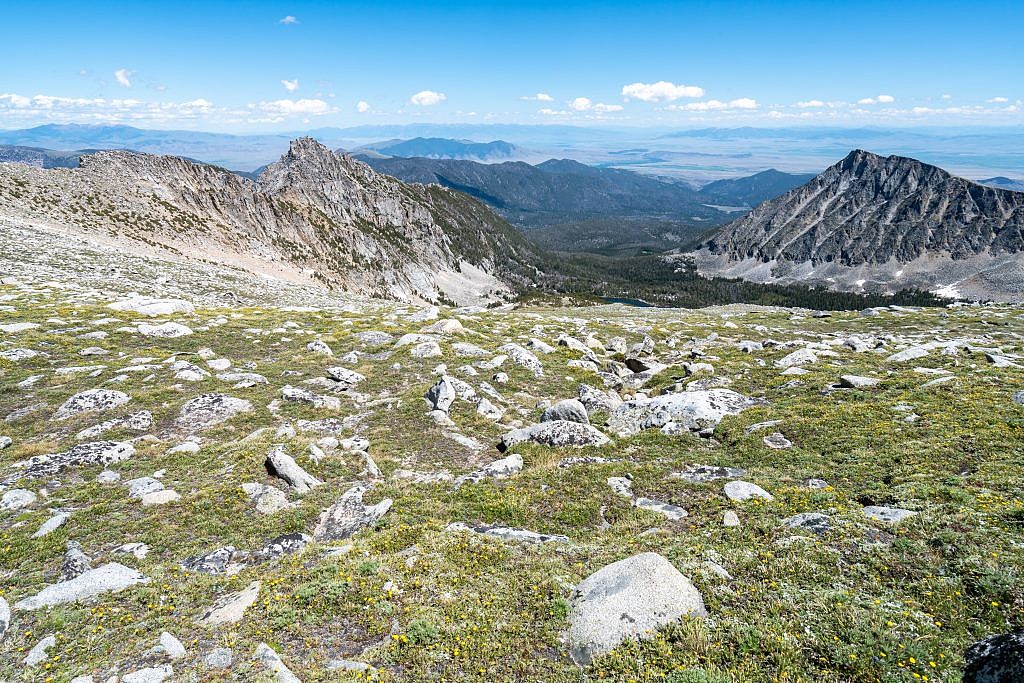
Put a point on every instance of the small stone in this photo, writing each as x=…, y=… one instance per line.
x=777, y=441
x=219, y=658
x=815, y=522
x=887, y=514
x=37, y=655
x=730, y=519
x=231, y=608
x=172, y=646
x=16, y=499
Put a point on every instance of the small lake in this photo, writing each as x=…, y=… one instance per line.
x=628, y=302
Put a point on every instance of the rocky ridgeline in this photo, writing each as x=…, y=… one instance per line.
x=376, y=491
x=314, y=217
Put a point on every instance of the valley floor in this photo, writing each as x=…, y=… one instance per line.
x=182, y=501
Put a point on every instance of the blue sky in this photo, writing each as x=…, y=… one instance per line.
x=288, y=65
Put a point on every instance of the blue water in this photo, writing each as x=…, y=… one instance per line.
x=628, y=302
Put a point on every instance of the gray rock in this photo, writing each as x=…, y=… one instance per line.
x=626, y=599
x=672, y=512
x=569, y=410
x=857, y=382
x=345, y=376
x=744, y=490
x=1018, y=398
x=321, y=347
x=693, y=409
x=299, y=395
x=913, y=353
x=995, y=659
x=107, y=578
x=442, y=395
x=231, y=608
x=278, y=547
x=268, y=499
x=5, y=441
x=139, y=487
x=777, y=441
x=214, y=562
x=280, y=464
x=152, y=674
x=152, y=307
x=16, y=499
x=348, y=515
x=730, y=519
x=700, y=474
x=168, y=330
x=17, y=355
x=507, y=533
x=93, y=453
x=172, y=646
x=595, y=399
x=815, y=522
x=91, y=400
x=797, y=358
x=219, y=658
x=557, y=433
x=75, y=562
x=521, y=356
x=208, y=410
x=817, y=484
x=37, y=655
x=272, y=663
x=138, y=422
x=5, y=617
x=887, y=514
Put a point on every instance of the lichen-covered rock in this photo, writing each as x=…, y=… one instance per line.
x=105, y=579
x=628, y=599
x=91, y=400
x=557, y=433
x=692, y=409
x=92, y=453
x=570, y=410
x=209, y=410
x=348, y=515
x=995, y=659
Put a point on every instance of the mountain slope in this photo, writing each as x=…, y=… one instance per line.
x=1003, y=183
x=444, y=148
x=752, y=190
x=313, y=216
x=879, y=222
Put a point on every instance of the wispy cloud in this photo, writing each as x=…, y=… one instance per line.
x=290, y=86
x=810, y=104
x=586, y=104
x=123, y=77
x=306, y=107
x=998, y=100
x=744, y=103
x=288, y=20
x=362, y=106
x=539, y=97
x=880, y=99
x=662, y=91
x=427, y=98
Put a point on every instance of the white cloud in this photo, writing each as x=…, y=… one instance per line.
x=662, y=91
x=810, y=104
x=123, y=77
x=607, y=107
x=288, y=20
x=947, y=97
x=362, y=106
x=539, y=97
x=998, y=100
x=295, y=107
x=880, y=99
x=553, y=112
x=290, y=86
x=716, y=105
x=581, y=104
x=427, y=98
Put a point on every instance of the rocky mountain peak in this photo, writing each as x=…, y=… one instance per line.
x=868, y=217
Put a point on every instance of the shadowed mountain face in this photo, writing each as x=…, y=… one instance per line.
x=312, y=216
x=877, y=219
x=752, y=190
x=1003, y=183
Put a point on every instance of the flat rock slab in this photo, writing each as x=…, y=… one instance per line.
x=208, y=410
x=556, y=433
x=507, y=533
x=744, y=490
x=231, y=608
x=90, y=401
x=692, y=409
x=887, y=514
x=857, y=382
x=105, y=579
x=164, y=331
x=815, y=522
x=152, y=307
x=92, y=453
x=626, y=599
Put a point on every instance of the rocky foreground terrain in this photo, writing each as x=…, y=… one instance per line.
x=208, y=475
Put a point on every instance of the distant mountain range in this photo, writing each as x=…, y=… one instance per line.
x=442, y=148
x=1004, y=183
x=879, y=223
x=752, y=190
x=565, y=205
